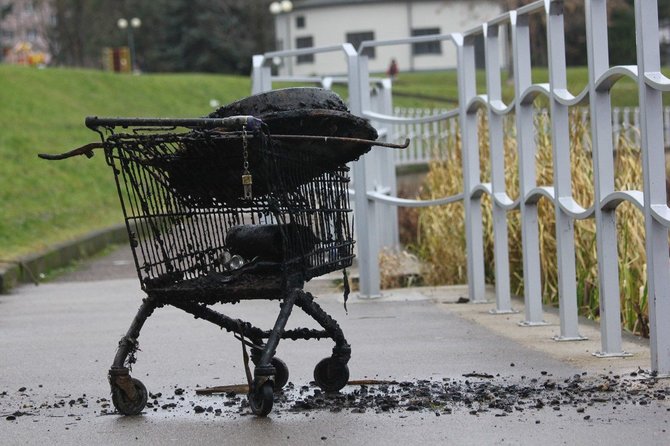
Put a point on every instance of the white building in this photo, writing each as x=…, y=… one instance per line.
x=318, y=23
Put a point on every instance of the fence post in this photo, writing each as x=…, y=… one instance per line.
x=364, y=209
x=653, y=166
x=497, y=160
x=261, y=75
x=603, y=172
x=467, y=90
x=384, y=158
x=525, y=130
x=560, y=141
x=327, y=82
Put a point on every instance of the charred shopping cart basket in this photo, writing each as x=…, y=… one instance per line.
x=224, y=209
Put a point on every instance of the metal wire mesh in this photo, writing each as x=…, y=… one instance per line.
x=181, y=195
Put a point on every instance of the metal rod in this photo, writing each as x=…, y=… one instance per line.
x=83, y=150
x=326, y=139
x=88, y=148
x=230, y=122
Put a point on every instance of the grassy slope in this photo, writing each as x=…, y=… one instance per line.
x=43, y=202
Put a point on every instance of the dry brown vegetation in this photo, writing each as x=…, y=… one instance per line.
x=441, y=237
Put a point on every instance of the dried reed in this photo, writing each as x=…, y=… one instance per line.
x=441, y=237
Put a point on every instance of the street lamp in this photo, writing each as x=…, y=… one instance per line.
x=278, y=9
x=134, y=24
x=282, y=6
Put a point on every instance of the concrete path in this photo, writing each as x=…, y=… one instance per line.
x=57, y=341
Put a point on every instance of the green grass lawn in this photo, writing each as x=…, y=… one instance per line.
x=440, y=89
x=43, y=202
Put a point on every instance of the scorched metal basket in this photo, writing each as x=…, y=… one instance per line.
x=220, y=210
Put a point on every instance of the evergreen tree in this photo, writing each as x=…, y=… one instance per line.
x=621, y=35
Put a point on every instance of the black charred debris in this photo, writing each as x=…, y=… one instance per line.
x=475, y=393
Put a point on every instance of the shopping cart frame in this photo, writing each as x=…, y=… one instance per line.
x=129, y=395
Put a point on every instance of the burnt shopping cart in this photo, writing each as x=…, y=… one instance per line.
x=249, y=203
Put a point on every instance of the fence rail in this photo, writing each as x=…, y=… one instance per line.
x=430, y=139
x=374, y=185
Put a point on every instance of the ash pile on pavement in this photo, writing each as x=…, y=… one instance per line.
x=474, y=393
x=480, y=393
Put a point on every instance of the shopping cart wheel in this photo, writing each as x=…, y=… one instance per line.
x=281, y=369
x=127, y=406
x=331, y=374
x=281, y=374
x=261, y=399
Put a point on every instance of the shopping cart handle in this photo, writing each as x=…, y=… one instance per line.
x=229, y=123
x=83, y=150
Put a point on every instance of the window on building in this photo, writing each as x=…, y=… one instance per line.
x=356, y=38
x=31, y=35
x=305, y=42
x=300, y=21
x=420, y=48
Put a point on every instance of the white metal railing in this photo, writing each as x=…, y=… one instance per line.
x=371, y=196
x=430, y=139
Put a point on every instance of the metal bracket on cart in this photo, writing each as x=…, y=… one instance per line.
x=120, y=378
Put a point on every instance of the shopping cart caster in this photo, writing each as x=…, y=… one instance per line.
x=129, y=404
x=331, y=374
x=281, y=370
x=281, y=373
x=261, y=399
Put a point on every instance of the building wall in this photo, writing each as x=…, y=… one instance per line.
x=329, y=25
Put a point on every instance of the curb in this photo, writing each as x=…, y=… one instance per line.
x=28, y=269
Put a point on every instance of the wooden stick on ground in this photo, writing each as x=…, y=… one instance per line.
x=244, y=389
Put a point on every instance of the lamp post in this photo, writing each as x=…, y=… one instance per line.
x=282, y=9
x=133, y=24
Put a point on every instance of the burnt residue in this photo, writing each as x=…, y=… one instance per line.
x=282, y=100
x=580, y=395
x=262, y=280
x=307, y=111
x=322, y=122
x=207, y=167
x=272, y=243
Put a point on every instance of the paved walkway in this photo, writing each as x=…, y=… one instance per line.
x=57, y=341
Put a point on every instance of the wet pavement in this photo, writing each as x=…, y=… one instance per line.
x=424, y=370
